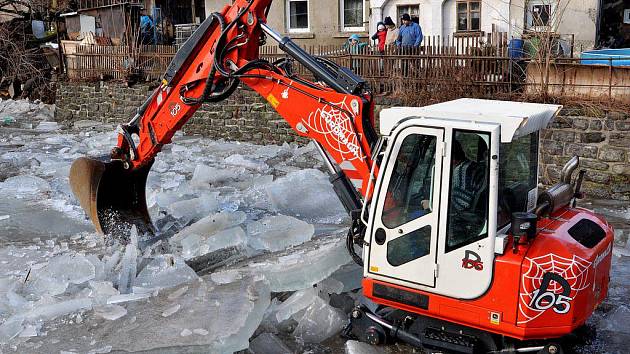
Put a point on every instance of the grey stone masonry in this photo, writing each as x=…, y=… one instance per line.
x=601, y=139
x=245, y=116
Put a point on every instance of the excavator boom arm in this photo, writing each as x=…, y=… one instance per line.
x=335, y=111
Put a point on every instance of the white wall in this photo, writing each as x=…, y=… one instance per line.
x=438, y=17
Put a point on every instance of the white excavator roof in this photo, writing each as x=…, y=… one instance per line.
x=515, y=118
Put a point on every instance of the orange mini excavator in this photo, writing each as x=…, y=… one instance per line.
x=460, y=249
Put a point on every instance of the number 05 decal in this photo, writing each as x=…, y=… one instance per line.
x=175, y=108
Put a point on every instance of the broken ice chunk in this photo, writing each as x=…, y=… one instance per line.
x=117, y=299
x=177, y=293
x=319, y=322
x=276, y=233
x=110, y=312
x=303, y=193
x=171, y=310
x=11, y=328
x=29, y=331
x=47, y=126
x=268, y=343
x=295, y=303
x=53, y=279
x=617, y=320
x=128, y=269
x=211, y=224
x=240, y=160
x=165, y=271
x=48, y=312
x=330, y=286
x=102, y=290
x=185, y=332
x=191, y=246
x=356, y=347
x=204, y=176
x=193, y=209
x=350, y=275
x=25, y=185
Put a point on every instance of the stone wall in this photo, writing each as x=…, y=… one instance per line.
x=601, y=139
x=245, y=116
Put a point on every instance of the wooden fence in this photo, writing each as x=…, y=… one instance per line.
x=120, y=62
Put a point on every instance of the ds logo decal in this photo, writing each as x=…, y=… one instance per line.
x=544, y=299
x=472, y=260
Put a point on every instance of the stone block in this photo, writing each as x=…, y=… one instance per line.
x=580, y=123
x=623, y=125
x=581, y=150
x=622, y=169
x=594, y=164
x=564, y=136
x=552, y=147
x=619, y=139
x=595, y=124
x=591, y=138
x=562, y=122
x=611, y=155
x=598, y=177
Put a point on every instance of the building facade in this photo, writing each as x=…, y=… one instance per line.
x=314, y=22
x=516, y=17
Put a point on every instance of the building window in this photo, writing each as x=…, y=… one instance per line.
x=352, y=15
x=539, y=14
x=468, y=16
x=412, y=10
x=297, y=15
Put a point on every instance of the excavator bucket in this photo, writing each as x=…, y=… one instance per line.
x=112, y=196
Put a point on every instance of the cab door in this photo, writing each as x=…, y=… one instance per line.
x=404, y=228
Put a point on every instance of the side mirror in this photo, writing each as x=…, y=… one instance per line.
x=523, y=225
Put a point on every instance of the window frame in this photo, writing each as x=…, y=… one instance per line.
x=447, y=248
x=529, y=14
x=308, y=17
x=342, y=14
x=468, y=16
x=398, y=14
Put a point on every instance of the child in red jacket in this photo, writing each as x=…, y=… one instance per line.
x=380, y=36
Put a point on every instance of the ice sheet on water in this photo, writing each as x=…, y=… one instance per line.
x=25, y=185
x=304, y=267
x=275, y=233
x=319, y=322
x=165, y=271
x=308, y=195
x=211, y=224
x=53, y=278
x=221, y=319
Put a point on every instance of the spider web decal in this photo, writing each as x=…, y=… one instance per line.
x=574, y=270
x=337, y=128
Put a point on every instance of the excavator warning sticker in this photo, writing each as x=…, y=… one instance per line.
x=335, y=124
x=550, y=284
x=273, y=101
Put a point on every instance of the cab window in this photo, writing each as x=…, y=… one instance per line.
x=467, y=219
x=410, y=190
x=518, y=176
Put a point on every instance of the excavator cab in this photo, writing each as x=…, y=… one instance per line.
x=459, y=231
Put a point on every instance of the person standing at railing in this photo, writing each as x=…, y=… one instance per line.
x=354, y=46
x=410, y=33
x=380, y=37
x=392, y=31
